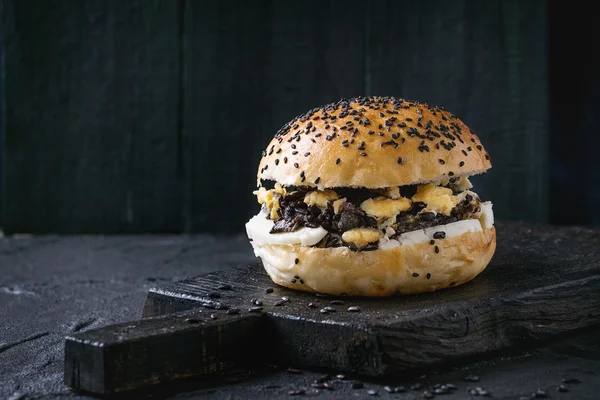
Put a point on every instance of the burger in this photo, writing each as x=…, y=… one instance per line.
x=370, y=196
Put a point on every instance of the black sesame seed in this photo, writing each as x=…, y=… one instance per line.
x=479, y=147
x=461, y=164
x=363, y=154
x=437, y=249
x=224, y=286
x=264, y=153
x=372, y=392
x=336, y=303
x=451, y=173
x=285, y=160
x=280, y=302
x=193, y=320
x=432, y=241
x=317, y=180
x=329, y=309
x=312, y=305
x=371, y=132
x=428, y=275
x=442, y=161
x=293, y=281
x=269, y=290
x=320, y=134
x=296, y=165
x=401, y=160
x=464, y=152
x=470, y=148
x=415, y=274
x=255, y=309
x=301, y=281
x=298, y=392
x=439, y=235
x=306, y=154
x=354, y=309
x=487, y=156
x=337, y=161
x=294, y=152
x=233, y=311
x=293, y=146
x=277, y=161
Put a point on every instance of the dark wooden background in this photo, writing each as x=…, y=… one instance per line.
x=150, y=115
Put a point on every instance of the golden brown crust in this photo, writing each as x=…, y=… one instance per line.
x=372, y=142
x=407, y=269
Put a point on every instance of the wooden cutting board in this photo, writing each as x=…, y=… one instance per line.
x=541, y=283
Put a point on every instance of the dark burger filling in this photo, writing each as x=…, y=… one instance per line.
x=339, y=211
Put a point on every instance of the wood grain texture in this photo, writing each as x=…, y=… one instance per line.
x=487, y=63
x=249, y=68
x=91, y=140
x=119, y=114
x=542, y=283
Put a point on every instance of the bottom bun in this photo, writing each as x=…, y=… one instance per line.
x=406, y=269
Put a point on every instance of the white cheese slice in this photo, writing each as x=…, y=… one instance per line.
x=487, y=215
x=451, y=230
x=259, y=226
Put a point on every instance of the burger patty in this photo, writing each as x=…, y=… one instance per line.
x=294, y=214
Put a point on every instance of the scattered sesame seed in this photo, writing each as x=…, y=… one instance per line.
x=296, y=165
x=428, y=275
x=317, y=180
x=439, y=235
x=363, y=154
x=337, y=161
x=296, y=261
x=461, y=164
x=415, y=274
x=401, y=160
x=437, y=249
x=442, y=161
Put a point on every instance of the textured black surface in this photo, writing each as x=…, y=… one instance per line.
x=137, y=116
x=528, y=293
x=54, y=286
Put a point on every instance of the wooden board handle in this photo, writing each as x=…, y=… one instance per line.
x=155, y=350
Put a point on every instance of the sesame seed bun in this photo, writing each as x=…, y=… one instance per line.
x=407, y=269
x=372, y=142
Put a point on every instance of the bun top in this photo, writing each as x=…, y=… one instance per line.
x=372, y=142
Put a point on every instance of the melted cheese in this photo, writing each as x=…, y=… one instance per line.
x=384, y=208
x=270, y=199
x=337, y=204
x=438, y=199
x=320, y=198
x=361, y=237
x=391, y=192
